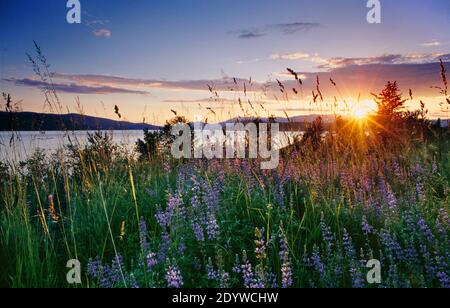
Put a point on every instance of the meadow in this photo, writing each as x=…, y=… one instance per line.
x=372, y=188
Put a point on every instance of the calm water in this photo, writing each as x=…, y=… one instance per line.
x=26, y=143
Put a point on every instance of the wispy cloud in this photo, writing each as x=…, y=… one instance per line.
x=418, y=72
x=102, y=33
x=339, y=62
x=72, y=87
x=291, y=28
x=248, y=33
x=417, y=58
x=96, y=25
x=283, y=28
x=248, y=61
x=433, y=43
x=224, y=84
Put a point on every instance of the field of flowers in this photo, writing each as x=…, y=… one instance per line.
x=315, y=221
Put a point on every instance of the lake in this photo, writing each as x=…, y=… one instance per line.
x=26, y=143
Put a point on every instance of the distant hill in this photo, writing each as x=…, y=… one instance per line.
x=30, y=121
x=295, y=123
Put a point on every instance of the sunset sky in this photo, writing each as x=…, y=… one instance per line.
x=151, y=57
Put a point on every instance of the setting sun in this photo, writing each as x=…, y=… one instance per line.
x=360, y=113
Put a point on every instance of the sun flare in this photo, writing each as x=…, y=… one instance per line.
x=360, y=113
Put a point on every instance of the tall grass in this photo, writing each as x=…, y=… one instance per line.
x=332, y=204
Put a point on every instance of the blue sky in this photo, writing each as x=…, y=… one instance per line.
x=191, y=40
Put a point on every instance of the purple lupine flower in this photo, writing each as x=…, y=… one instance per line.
x=420, y=191
x=212, y=228
x=174, y=206
x=430, y=268
x=426, y=231
x=349, y=249
x=286, y=271
x=211, y=199
x=94, y=268
x=224, y=278
x=272, y=280
x=173, y=277
x=444, y=280
x=260, y=245
x=198, y=232
x=105, y=281
x=151, y=261
x=396, y=169
x=164, y=247
x=393, y=248
x=116, y=269
x=316, y=262
x=417, y=170
x=357, y=278
x=236, y=266
x=387, y=194
x=247, y=274
x=327, y=235
x=143, y=236
x=212, y=273
x=366, y=227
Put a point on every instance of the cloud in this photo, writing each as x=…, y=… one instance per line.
x=248, y=33
x=283, y=28
x=291, y=56
x=224, y=84
x=102, y=33
x=72, y=87
x=291, y=28
x=433, y=43
x=338, y=62
x=352, y=75
x=248, y=61
x=418, y=58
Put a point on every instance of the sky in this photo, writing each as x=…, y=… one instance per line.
x=219, y=59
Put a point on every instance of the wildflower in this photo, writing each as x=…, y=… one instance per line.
x=173, y=277
x=236, y=267
x=247, y=272
x=143, y=236
x=212, y=274
x=198, y=232
x=94, y=268
x=349, y=249
x=366, y=227
x=396, y=169
x=164, y=247
x=444, y=280
x=151, y=261
x=316, y=262
x=327, y=235
x=286, y=271
x=260, y=249
x=420, y=191
x=387, y=194
x=212, y=228
x=426, y=231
